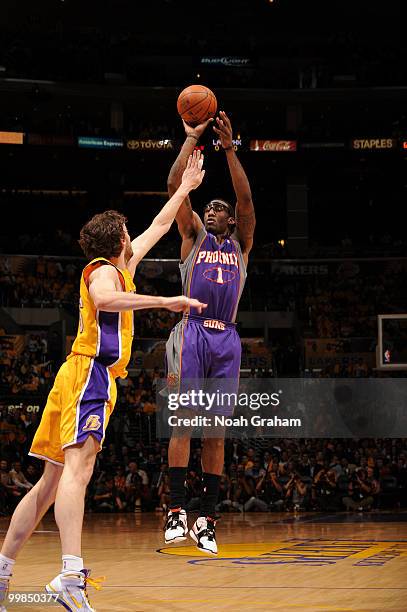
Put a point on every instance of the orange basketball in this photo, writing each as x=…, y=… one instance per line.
x=196, y=104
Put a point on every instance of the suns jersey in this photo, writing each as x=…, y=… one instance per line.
x=105, y=336
x=214, y=274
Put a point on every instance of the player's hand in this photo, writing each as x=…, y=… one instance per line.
x=197, y=130
x=182, y=304
x=193, y=173
x=224, y=130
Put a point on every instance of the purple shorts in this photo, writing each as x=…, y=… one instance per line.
x=209, y=349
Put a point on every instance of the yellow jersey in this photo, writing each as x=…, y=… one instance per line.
x=105, y=336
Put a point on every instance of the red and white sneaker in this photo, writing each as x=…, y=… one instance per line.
x=176, y=527
x=203, y=532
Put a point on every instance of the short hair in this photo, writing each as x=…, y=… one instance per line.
x=102, y=235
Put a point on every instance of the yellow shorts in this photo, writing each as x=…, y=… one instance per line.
x=79, y=404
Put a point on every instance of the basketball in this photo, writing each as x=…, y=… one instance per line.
x=196, y=104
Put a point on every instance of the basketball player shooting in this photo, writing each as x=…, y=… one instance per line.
x=214, y=256
x=74, y=421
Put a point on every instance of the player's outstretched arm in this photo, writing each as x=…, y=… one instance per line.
x=189, y=223
x=245, y=215
x=191, y=179
x=103, y=289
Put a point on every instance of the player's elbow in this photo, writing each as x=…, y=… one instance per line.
x=165, y=228
x=161, y=227
x=100, y=301
x=187, y=229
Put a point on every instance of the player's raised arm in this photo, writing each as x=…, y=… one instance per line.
x=191, y=179
x=245, y=215
x=103, y=289
x=189, y=223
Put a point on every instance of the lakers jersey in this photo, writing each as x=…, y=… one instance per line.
x=215, y=274
x=105, y=336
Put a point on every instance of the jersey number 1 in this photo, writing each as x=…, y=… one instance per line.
x=219, y=280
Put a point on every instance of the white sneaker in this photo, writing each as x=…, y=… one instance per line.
x=176, y=527
x=203, y=532
x=4, y=584
x=71, y=587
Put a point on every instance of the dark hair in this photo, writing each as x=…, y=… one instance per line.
x=102, y=235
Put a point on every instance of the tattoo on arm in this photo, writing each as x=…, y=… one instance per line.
x=246, y=223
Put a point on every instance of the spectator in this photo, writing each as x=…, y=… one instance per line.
x=245, y=487
x=224, y=500
x=164, y=493
x=137, y=493
x=374, y=485
x=324, y=489
x=17, y=478
x=270, y=488
x=106, y=497
x=295, y=491
x=33, y=474
x=13, y=493
x=359, y=492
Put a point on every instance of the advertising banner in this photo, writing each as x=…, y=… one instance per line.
x=91, y=142
x=273, y=145
x=373, y=144
x=150, y=144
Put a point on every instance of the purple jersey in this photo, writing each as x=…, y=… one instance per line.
x=214, y=274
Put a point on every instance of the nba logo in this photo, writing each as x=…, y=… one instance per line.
x=387, y=356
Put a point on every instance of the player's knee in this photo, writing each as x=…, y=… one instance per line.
x=86, y=475
x=86, y=469
x=80, y=460
x=182, y=435
x=216, y=444
x=81, y=475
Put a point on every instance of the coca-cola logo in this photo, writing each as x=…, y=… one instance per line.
x=273, y=145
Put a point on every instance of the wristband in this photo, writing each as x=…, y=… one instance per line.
x=227, y=148
x=191, y=136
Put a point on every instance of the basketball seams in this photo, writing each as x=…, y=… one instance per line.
x=201, y=115
x=196, y=103
x=199, y=111
x=190, y=107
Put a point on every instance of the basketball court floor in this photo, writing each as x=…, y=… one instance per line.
x=309, y=562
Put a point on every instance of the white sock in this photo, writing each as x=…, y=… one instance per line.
x=6, y=565
x=70, y=562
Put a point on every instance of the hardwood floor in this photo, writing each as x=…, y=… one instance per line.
x=349, y=563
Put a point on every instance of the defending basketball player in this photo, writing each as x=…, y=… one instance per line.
x=214, y=256
x=74, y=421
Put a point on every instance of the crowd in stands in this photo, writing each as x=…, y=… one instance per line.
x=283, y=475
x=131, y=473
x=27, y=372
x=336, y=300
x=45, y=283
x=340, y=301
